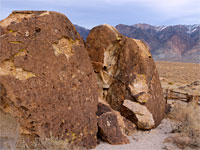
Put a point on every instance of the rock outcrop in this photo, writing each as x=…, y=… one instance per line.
x=113, y=127
x=46, y=79
x=126, y=71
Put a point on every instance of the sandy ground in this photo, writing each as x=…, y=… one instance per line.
x=146, y=140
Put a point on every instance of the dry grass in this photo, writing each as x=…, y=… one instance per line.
x=187, y=131
x=178, y=72
x=46, y=144
x=179, y=77
x=170, y=83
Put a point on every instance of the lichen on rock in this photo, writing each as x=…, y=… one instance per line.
x=65, y=46
x=8, y=68
x=16, y=17
x=139, y=88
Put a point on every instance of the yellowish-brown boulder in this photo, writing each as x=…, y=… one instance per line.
x=125, y=70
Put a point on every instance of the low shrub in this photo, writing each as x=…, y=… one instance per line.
x=187, y=130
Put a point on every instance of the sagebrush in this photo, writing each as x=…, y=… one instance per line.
x=187, y=131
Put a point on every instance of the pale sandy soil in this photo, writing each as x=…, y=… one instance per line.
x=146, y=140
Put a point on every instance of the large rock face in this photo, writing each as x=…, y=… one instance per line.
x=126, y=71
x=46, y=78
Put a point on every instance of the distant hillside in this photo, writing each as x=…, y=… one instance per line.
x=169, y=43
x=82, y=31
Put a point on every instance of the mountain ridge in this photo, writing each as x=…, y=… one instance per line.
x=179, y=43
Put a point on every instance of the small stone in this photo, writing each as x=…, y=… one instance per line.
x=144, y=117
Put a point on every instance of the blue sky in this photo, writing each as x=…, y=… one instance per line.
x=89, y=13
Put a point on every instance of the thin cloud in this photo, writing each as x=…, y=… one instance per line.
x=162, y=5
x=93, y=12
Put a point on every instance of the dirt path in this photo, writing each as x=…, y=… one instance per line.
x=146, y=140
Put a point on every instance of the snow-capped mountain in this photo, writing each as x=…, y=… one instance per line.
x=170, y=43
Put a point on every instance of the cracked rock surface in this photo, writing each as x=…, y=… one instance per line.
x=112, y=127
x=46, y=79
x=125, y=70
